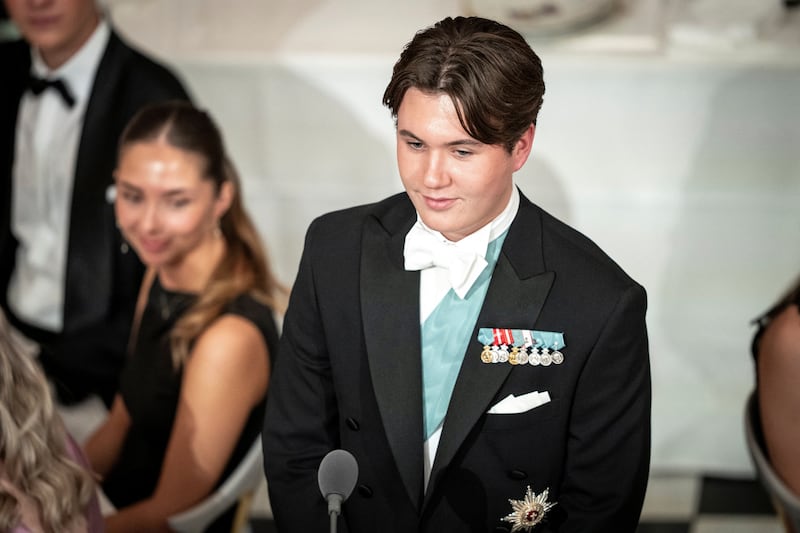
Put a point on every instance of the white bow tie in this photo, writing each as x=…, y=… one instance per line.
x=463, y=260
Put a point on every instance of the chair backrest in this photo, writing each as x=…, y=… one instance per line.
x=785, y=500
x=242, y=482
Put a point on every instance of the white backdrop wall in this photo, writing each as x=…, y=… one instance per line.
x=680, y=159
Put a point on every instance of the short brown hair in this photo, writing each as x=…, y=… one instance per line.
x=489, y=71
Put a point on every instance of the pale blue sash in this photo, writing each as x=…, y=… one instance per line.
x=445, y=337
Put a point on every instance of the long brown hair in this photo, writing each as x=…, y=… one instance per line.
x=33, y=445
x=245, y=266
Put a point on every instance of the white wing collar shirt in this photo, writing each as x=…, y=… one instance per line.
x=47, y=137
x=447, y=318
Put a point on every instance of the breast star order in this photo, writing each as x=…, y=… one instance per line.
x=528, y=512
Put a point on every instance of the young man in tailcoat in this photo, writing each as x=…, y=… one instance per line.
x=485, y=364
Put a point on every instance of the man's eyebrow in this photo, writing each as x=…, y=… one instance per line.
x=469, y=141
x=406, y=133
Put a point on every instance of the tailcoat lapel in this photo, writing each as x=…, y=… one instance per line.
x=390, y=305
x=517, y=292
x=92, y=230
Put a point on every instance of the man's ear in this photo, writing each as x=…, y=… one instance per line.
x=522, y=148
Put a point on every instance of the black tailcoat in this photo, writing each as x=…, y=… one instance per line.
x=348, y=375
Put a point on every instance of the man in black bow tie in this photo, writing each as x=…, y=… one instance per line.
x=486, y=364
x=67, y=281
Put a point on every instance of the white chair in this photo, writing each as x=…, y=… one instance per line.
x=786, y=502
x=240, y=486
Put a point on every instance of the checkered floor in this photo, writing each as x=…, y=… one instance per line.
x=707, y=504
x=674, y=504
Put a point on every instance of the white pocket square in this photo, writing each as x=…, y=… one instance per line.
x=519, y=404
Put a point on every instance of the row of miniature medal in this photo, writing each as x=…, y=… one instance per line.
x=521, y=346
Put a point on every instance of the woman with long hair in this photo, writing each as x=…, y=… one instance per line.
x=44, y=482
x=192, y=396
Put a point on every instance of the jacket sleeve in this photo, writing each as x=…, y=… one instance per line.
x=608, y=448
x=301, y=422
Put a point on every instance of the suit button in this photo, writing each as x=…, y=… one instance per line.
x=365, y=491
x=517, y=474
x=352, y=423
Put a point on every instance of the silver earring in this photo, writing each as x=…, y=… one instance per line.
x=123, y=247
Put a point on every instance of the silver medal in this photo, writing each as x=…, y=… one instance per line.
x=502, y=355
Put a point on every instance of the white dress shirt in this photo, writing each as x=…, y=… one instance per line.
x=435, y=283
x=47, y=136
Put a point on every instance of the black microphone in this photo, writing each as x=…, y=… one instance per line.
x=338, y=473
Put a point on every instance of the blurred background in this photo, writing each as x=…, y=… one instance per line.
x=669, y=134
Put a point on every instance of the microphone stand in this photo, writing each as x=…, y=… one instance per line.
x=334, y=509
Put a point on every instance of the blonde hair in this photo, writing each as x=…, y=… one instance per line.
x=245, y=268
x=33, y=445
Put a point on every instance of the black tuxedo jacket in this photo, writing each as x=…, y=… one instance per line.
x=348, y=375
x=101, y=281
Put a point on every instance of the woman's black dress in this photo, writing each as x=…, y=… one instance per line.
x=150, y=388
